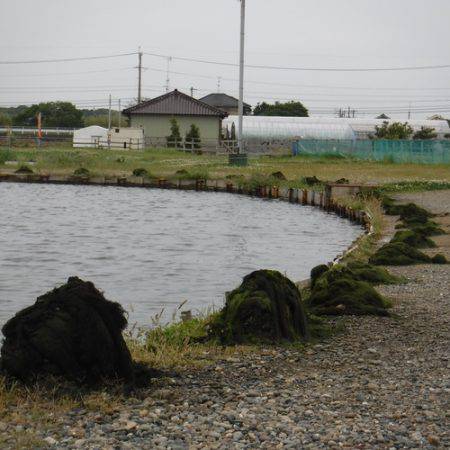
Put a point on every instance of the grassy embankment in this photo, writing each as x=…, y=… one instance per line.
x=172, y=347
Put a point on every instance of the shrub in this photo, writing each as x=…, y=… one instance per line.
x=193, y=137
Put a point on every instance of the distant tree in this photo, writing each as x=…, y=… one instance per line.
x=394, y=130
x=193, y=137
x=174, y=140
x=54, y=114
x=289, y=109
x=102, y=120
x=5, y=120
x=425, y=133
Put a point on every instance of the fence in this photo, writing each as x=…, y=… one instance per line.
x=397, y=151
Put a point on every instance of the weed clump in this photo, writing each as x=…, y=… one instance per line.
x=266, y=307
x=24, y=169
x=279, y=176
x=311, y=181
x=140, y=172
x=337, y=293
x=81, y=172
x=409, y=213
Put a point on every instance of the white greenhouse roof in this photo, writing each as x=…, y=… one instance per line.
x=271, y=127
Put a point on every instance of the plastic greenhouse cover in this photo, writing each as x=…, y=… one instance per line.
x=272, y=127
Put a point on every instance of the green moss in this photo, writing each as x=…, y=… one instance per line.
x=398, y=254
x=337, y=293
x=81, y=172
x=317, y=272
x=371, y=274
x=24, y=169
x=439, y=259
x=267, y=307
x=429, y=228
x=413, y=238
x=409, y=213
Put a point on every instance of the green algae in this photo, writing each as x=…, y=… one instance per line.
x=413, y=238
x=266, y=307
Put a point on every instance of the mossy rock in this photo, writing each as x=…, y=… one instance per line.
x=140, y=172
x=317, y=272
x=439, y=259
x=371, y=274
x=73, y=332
x=429, y=228
x=336, y=293
x=24, y=169
x=342, y=181
x=409, y=213
x=311, y=181
x=398, y=254
x=266, y=307
x=279, y=176
x=413, y=238
x=81, y=172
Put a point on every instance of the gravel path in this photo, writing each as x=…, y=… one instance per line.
x=383, y=383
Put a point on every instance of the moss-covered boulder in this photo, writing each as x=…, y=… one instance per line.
x=140, y=172
x=413, y=238
x=439, y=259
x=24, y=169
x=371, y=274
x=72, y=331
x=81, y=172
x=398, y=254
x=409, y=213
x=337, y=293
x=317, y=272
x=266, y=307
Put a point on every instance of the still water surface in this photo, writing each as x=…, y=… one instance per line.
x=152, y=249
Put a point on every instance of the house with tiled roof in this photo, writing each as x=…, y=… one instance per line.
x=226, y=103
x=155, y=117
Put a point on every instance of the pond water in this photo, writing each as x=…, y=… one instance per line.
x=153, y=249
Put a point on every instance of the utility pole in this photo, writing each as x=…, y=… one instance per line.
x=241, y=79
x=192, y=91
x=409, y=111
x=219, y=82
x=109, y=113
x=169, y=59
x=120, y=114
x=140, y=76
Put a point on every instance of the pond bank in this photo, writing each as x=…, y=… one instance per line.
x=382, y=383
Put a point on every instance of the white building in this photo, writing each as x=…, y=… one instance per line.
x=127, y=138
x=92, y=137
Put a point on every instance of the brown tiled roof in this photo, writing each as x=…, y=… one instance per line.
x=175, y=103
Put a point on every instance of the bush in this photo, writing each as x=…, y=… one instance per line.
x=193, y=137
x=266, y=307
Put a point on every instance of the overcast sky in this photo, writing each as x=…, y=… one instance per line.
x=293, y=33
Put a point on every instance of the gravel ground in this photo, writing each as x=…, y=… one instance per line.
x=382, y=383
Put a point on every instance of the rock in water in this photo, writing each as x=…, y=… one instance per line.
x=71, y=331
x=266, y=307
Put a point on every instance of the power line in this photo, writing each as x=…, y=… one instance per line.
x=62, y=73
x=85, y=58
x=311, y=69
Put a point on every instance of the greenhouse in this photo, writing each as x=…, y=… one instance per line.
x=292, y=128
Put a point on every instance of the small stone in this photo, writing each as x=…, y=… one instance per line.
x=50, y=440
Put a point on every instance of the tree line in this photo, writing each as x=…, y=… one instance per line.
x=58, y=115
